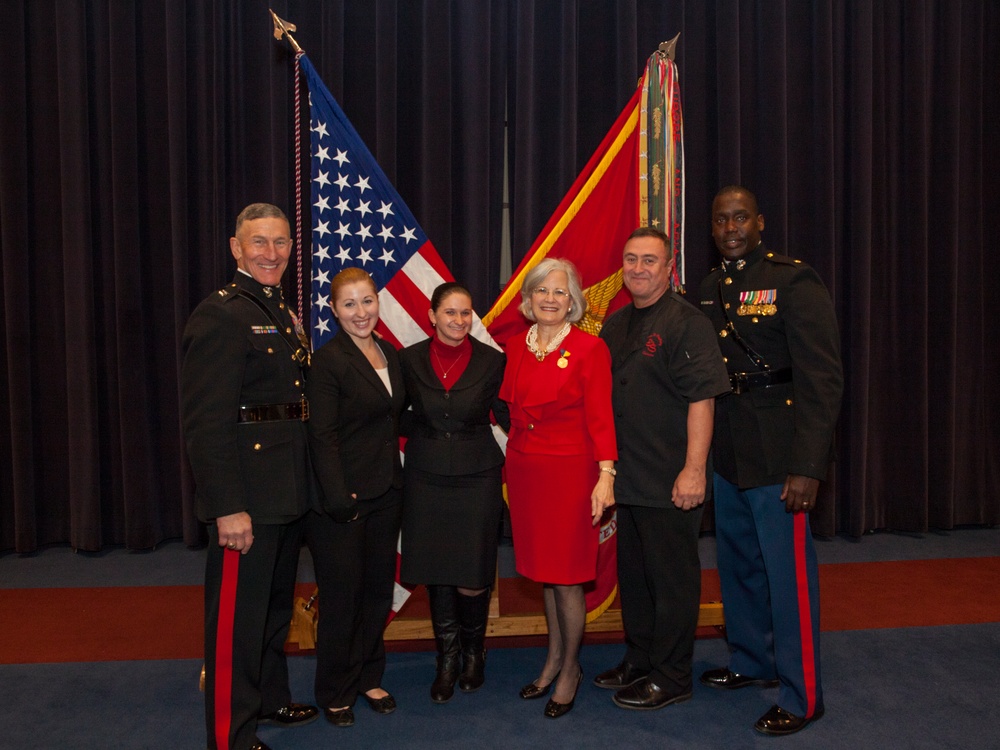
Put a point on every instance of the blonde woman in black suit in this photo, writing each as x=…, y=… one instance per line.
x=355, y=395
x=452, y=495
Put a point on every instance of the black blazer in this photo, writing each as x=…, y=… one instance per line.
x=234, y=356
x=449, y=432
x=353, y=425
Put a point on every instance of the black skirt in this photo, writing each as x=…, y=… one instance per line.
x=450, y=528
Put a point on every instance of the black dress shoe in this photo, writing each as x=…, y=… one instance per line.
x=646, y=695
x=531, y=691
x=340, y=717
x=780, y=721
x=554, y=710
x=292, y=715
x=384, y=705
x=623, y=675
x=723, y=679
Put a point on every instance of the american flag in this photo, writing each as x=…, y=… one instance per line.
x=358, y=219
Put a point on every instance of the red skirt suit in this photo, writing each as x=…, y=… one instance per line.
x=561, y=426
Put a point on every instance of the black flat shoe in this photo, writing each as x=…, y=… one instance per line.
x=384, y=705
x=619, y=677
x=646, y=695
x=531, y=691
x=779, y=721
x=292, y=715
x=723, y=679
x=340, y=717
x=554, y=710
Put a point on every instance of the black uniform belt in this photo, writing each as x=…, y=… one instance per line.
x=275, y=412
x=742, y=382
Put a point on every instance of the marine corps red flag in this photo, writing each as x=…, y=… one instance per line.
x=635, y=178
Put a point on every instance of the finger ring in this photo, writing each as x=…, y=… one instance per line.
x=232, y=545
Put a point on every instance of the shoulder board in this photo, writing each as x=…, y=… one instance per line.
x=228, y=292
x=783, y=259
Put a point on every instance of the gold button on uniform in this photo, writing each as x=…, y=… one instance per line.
x=256, y=446
x=728, y=281
x=270, y=350
x=789, y=402
x=755, y=320
x=723, y=333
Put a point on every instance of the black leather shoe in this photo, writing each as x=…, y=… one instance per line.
x=623, y=675
x=554, y=710
x=646, y=695
x=384, y=705
x=780, y=721
x=723, y=679
x=292, y=715
x=531, y=691
x=340, y=717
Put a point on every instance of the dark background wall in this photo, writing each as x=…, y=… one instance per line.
x=132, y=133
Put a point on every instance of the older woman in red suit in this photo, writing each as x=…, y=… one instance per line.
x=560, y=463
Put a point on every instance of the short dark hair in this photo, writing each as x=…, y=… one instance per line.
x=259, y=211
x=729, y=189
x=652, y=232
x=443, y=290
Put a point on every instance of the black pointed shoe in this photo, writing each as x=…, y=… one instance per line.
x=723, y=679
x=646, y=695
x=619, y=677
x=292, y=715
x=554, y=710
x=779, y=721
x=531, y=691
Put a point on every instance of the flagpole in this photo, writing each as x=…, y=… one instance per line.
x=283, y=28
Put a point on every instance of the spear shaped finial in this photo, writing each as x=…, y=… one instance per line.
x=667, y=49
x=284, y=29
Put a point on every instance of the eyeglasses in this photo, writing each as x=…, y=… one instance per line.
x=542, y=291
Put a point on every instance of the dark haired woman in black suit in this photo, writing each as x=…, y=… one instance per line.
x=453, y=489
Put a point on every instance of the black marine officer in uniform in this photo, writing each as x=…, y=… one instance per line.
x=244, y=414
x=772, y=446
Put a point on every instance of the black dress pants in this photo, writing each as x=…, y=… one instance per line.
x=355, y=571
x=659, y=579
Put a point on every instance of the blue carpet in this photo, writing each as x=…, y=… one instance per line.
x=912, y=688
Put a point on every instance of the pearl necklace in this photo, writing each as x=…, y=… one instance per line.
x=532, y=341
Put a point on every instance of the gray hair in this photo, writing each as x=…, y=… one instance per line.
x=259, y=211
x=534, y=277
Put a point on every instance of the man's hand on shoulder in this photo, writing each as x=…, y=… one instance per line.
x=235, y=531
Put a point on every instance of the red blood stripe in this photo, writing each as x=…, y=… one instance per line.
x=805, y=612
x=224, y=648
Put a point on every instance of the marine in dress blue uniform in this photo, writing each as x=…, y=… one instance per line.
x=773, y=444
x=243, y=414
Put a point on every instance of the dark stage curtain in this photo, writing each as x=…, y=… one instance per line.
x=869, y=132
x=132, y=133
